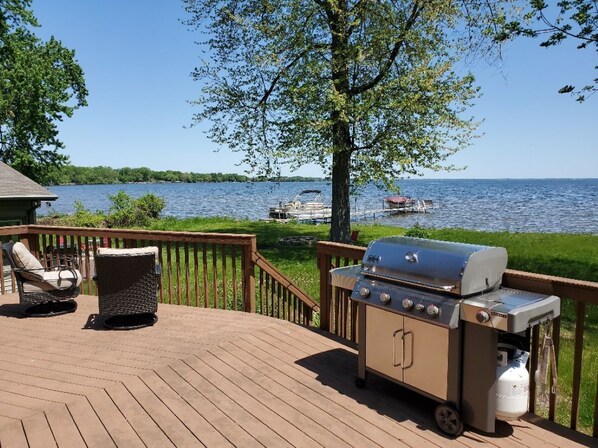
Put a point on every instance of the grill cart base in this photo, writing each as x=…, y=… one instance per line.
x=430, y=315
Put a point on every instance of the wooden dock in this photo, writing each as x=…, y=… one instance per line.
x=357, y=214
x=208, y=377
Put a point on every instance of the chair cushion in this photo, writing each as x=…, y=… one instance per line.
x=54, y=280
x=134, y=251
x=25, y=260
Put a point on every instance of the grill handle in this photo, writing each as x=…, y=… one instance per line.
x=394, y=348
x=405, y=280
x=408, y=333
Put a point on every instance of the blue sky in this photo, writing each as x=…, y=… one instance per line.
x=137, y=58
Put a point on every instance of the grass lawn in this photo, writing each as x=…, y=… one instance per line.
x=564, y=255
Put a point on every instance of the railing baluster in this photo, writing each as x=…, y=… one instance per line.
x=261, y=290
x=353, y=321
x=579, y=328
x=2, y=285
x=233, y=257
x=556, y=337
x=204, y=258
x=169, y=270
x=266, y=292
x=325, y=290
x=294, y=298
x=177, y=266
x=187, y=274
x=43, y=258
x=533, y=365
x=224, y=295
x=215, y=274
x=287, y=302
x=196, y=273
x=271, y=307
x=160, y=260
x=345, y=299
x=336, y=305
x=278, y=304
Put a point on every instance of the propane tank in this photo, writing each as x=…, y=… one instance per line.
x=512, y=386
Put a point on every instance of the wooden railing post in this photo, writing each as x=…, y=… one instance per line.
x=29, y=240
x=249, y=276
x=325, y=289
x=333, y=255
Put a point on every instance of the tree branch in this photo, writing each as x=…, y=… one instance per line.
x=415, y=11
x=270, y=89
x=553, y=27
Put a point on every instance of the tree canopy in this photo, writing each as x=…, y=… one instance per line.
x=371, y=91
x=84, y=175
x=40, y=84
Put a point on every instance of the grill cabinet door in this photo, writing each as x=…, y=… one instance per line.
x=425, y=361
x=408, y=350
x=384, y=342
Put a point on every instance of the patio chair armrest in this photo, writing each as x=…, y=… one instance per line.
x=35, y=271
x=66, y=268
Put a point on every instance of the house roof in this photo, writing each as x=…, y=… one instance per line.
x=14, y=185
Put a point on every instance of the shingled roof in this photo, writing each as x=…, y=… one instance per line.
x=14, y=185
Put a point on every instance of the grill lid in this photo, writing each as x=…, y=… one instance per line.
x=456, y=268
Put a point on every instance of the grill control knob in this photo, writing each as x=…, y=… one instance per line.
x=420, y=307
x=364, y=292
x=482, y=316
x=385, y=298
x=432, y=311
x=407, y=303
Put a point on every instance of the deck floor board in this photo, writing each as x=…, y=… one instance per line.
x=12, y=434
x=204, y=377
x=39, y=434
x=143, y=423
x=63, y=427
x=219, y=420
x=249, y=422
x=115, y=423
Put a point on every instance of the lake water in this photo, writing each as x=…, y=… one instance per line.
x=514, y=205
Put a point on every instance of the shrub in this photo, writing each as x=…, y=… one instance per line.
x=128, y=212
x=84, y=218
x=417, y=232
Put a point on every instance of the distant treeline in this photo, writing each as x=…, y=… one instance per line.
x=83, y=175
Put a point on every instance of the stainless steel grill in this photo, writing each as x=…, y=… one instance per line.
x=430, y=315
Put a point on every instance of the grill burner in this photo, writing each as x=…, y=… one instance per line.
x=429, y=316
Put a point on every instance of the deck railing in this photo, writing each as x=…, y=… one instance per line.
x=338, y=316
x=213, y=270
x=219, y=271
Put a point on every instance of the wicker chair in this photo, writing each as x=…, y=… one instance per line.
x=128, y=282
x=47, y=291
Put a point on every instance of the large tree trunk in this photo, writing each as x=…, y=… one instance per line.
x=341, y=135
x=340, y=228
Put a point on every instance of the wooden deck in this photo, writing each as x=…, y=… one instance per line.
x=205, y=377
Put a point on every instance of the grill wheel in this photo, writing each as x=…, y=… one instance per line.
x=448, y=419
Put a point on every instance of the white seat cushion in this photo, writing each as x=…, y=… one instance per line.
x=25, y=260
x=134, y=251
x=54, y=280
